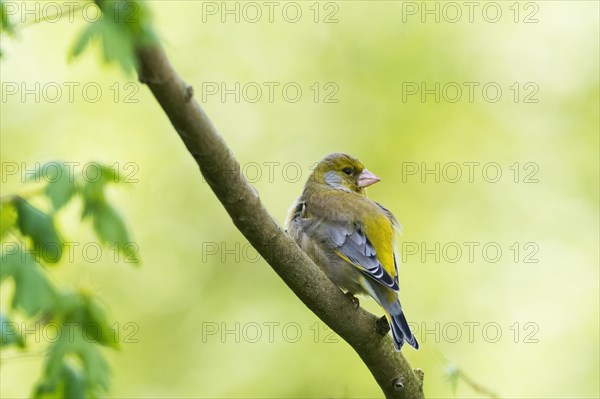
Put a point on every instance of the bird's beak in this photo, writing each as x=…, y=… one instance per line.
x=367, y=178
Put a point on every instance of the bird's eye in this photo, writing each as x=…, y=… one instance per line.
x=348, y=171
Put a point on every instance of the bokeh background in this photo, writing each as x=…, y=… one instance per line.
x=208, y=318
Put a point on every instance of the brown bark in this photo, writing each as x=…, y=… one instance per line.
x=222, y=172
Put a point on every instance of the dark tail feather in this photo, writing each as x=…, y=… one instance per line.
x=401, y=332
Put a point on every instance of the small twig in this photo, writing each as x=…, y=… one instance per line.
x=454, y=374
x=480, y=389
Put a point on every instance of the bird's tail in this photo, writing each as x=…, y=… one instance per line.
x=389, y=301
x=401, y=331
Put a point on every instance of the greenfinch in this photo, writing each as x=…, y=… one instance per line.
x=350, y=237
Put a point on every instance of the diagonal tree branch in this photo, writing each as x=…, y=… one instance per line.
x=222, y=172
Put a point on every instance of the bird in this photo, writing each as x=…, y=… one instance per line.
x=351, y=237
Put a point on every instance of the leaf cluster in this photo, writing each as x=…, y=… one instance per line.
x=31, y=243
x=124, y=26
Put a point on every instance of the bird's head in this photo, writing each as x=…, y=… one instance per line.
x=343, y=172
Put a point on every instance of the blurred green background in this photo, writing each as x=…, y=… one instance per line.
x=209, y=319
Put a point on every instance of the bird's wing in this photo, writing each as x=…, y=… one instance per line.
x=391, y=217
x=373, y=256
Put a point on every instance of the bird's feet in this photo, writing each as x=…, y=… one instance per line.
x=383, y=326
x=354, y=299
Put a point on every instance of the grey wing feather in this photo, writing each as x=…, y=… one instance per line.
x=353, y=244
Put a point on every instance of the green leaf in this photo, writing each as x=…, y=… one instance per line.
x=33, y=292
x=60, y=192
x=83, y=309
x=93, y=198
x=40, y=227
x=97, y=316
x=61, y=185
x=108, y=223
x=6, y=25
x=74, y=382
x=85, y=37
x=106, y=173
x=9, y=332
x=117, y=44
x=109, y=226
x=10, y=260
x=111, y=230
x=93, y=190
x=8, y=217
x=95, y=373
x=124, y=26
x=133, y=16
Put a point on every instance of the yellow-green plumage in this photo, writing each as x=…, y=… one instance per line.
x=350, y=236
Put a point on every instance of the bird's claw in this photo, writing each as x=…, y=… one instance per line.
x=354, y=299
x=382, y=325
